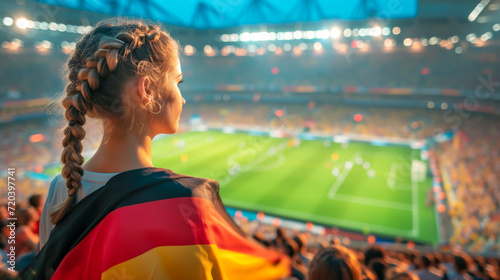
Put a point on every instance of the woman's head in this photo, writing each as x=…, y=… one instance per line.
x=125, y=73
x=336, y=263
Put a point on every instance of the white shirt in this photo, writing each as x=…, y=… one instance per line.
x=91, y=181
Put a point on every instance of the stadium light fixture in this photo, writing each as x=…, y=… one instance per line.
x=407, y=42
x=486, y=36
x=8, y=21
x=189, y=50
x=478, y=9
x=335, y=33
x=318, y=48
x=386, y=31
x=375, y=31
x=297, y=35
x=44, y=25
x=22, y=23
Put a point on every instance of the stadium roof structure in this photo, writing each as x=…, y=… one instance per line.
x=205, y=14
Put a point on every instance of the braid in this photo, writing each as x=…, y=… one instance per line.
x=92, y=90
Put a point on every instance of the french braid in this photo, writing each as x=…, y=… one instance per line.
x=103, y=60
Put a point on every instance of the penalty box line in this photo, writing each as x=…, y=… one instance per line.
x=340, y=179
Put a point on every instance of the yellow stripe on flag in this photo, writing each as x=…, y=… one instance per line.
x=195, y=262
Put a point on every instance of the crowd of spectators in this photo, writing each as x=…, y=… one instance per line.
x=328, y=257
x=471, y=166
x=329, y=119
x=314, y=256
x=469, y=163
x=437, y=69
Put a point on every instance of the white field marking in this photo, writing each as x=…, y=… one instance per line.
x=324, y=219
x=392, y=176
x=247, y=167
x=273, y=165
x=373, y=202
x=340, y=179
x=415, y=208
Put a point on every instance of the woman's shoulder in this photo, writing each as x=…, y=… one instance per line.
x=57, y=188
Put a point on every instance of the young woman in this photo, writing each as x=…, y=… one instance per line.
x=117, y=216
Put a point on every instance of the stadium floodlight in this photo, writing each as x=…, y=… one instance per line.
x=363, y=32
x=234, y=37
x=297, y=51
x=386, y=31
x=471, y=37
x=347, y=32
x=335, y=32
x=375, y=31
x=389, y=43
x=297, y=35
x=44, y=25
x=496, y=27
x=224, y=37
x=280, y=36
x=407, y=42
x=396, y=30
x=318, y=47
x=22, y=23
x=288, y=35
x=355, y=32
x=46, y=44
x=189, y=50
x=245, y=37
x=62, y=27
x=478, y=9
x=8, y=21
x=486, y=36
x=310, y=34
x=80, y=30
x=53, y=26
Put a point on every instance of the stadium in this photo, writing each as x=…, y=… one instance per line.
x=362, y=124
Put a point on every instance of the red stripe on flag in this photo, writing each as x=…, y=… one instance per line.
x=130, y=231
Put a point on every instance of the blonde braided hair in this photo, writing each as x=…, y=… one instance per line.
x=103, y=60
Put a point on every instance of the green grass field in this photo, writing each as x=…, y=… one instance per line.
x=309, y=181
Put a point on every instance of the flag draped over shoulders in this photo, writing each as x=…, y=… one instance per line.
x=152, y=223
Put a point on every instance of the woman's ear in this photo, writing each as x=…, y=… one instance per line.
x=143, y=91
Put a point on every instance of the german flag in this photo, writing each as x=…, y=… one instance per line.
x=151, y=223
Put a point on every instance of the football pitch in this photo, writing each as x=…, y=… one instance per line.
x=354, y=186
